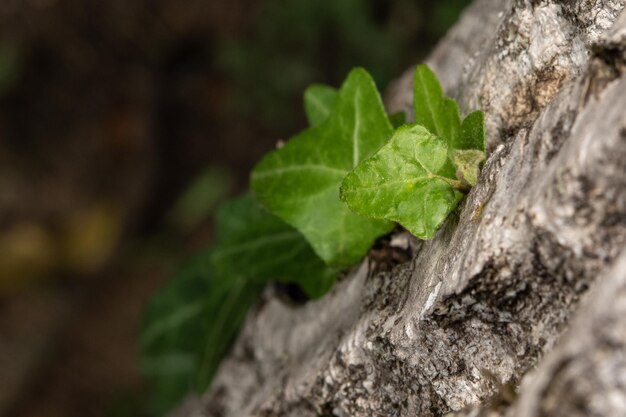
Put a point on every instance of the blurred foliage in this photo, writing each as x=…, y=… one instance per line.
x=83, y=244
x=187, y=329
x=90, y=237
x=299, y=42
x=124, y=404
x=191, y=321
x=27, y=252
x=199, y=200
x=168, y=335
x=9, y=67
x=445, y=13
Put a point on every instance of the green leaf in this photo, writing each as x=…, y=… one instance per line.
x=253, y=243
x=433, y=110
x=188, y=327
x=229, y=303
x=472, y=132
x=468, y=164
x=300, y=182
x=397, y=119
x=319, y=101
x=406, y=181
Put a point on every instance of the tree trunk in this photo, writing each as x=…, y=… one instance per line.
x=525, y=285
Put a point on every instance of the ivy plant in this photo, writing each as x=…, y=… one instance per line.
x=383, y=169
x=421, y=174
x=190, y=323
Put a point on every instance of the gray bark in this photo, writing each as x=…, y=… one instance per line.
x=472, y=314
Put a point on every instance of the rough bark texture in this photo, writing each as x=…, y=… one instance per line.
x=476, y=309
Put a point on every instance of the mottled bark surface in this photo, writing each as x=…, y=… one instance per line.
x=524, y=285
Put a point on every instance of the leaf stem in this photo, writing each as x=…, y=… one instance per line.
x=456, y=184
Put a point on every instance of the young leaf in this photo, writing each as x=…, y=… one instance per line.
x=472, y=132
x=468, y=165
x=406, y=181
x=319, y=101
x=300, y=182
x=470, y=149
x=253, y=243
x=440, y=115
x=187, y=328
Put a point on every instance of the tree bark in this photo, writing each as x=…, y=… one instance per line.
x=525, y=286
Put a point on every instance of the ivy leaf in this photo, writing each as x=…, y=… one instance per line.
x=433, y=110
x=406, y=181
x=472, y=132
x=319, y=101
x=187, y=329
x=300, y=182
x=252, y=242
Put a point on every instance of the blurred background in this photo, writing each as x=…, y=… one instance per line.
x=122, y=125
